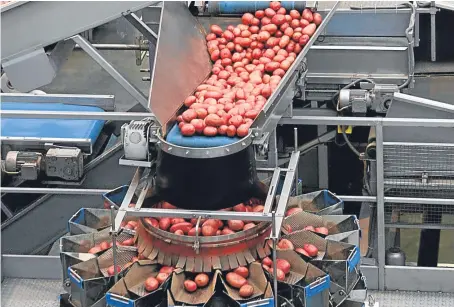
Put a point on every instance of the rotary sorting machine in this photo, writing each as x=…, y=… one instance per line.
x=359, y=85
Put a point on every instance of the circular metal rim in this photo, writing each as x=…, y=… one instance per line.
x=203, y=153
x=242, y=235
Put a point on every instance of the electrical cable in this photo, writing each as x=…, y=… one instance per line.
x=350, y=145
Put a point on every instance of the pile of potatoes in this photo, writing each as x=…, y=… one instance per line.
x=249, y=61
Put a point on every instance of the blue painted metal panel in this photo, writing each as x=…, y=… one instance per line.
x=198, y=141
x=50, y=128
x=240, y=7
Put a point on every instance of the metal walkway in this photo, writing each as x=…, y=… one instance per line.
x=18, y=292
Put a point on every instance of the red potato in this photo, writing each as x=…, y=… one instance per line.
x=192, y=231
x=310, y=29
x=283, y=265
x=295, y=14
x=259, y=14
x=133, y=223
x=284, y=41
x=267, y=261
x=263, y=35
x=265, y=60
x=269, y=12
x=285, y=244
x=239, y=208
x=295, y=23
x=227, y=231
x=201, y=280
x=104, y=245
x=271, y=29
x=272, y=66
x=279, y=58
x=94, y=250
x=151, y=284
x=246, y=33
x=111, y=270
x=228, y=35
x=235, y=280
x=226, y=62
x=275, y=5
x=309, y=228
x=284, y=26
x=246, y=19
x=317, y=18
x=246, y=291
x=303, y=23
x=269, y=53
x=190, y=286
x=302, y=251
x=213, y=120
x=231, y=131
x=311, y=249
x=164, y=223
x=322, y=230
x=185, y=227
x=128, y=242
x=288, y=18
x=303, y=39
x=288, y=228
x=235, y=225
x=254, y=29
x=282, y=11
x=189, y=101
x=209, y=231
x=151, y=221
x=162, y=277
x=179, y=232
x=225, y=53
x=214, y=223
x=215, y=55
x=307, y=14
x=289, y=32
x=201, y=113
x=265, y=267
x=296, y=36
x=279, y=274
x=278, y=19
x=189, y=115
x=166, y=205
x=236, y=121
x=218, y=232
x=222, y=130
x=216, y=30
x=293, y=211
x=285, y=64
x=166, y=269
x=248, y=226
x=198, y=124
x=177, y=220
x=211, y=37
x=242, y=130
x=258, y=208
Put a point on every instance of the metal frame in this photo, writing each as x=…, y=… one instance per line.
x=381, y=276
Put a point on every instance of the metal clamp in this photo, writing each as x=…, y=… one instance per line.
x=196, y=245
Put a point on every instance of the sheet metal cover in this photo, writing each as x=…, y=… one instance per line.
x=181, y=61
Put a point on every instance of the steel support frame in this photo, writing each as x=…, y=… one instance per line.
x=98, y=58
x=105, y=102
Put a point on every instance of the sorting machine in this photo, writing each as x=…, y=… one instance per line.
x=346, y=71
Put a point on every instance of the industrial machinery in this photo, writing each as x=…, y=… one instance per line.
x=354, y=83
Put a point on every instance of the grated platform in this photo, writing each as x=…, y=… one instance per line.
x=18, y=292
x=412, y=299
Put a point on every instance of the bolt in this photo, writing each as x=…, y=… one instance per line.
x=187, y=152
